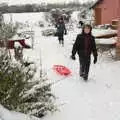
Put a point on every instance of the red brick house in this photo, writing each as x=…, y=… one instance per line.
x=107, y=11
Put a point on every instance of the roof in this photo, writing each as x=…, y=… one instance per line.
x=95, y=4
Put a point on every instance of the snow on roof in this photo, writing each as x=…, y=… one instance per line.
x=97, y=32
x=106, y=41
x=96, y=3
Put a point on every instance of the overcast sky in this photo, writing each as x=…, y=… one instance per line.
x=12, y=2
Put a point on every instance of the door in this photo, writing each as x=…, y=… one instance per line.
x=98, y=16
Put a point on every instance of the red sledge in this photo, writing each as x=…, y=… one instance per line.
x=62, y=70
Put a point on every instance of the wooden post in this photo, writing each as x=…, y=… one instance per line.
x=118, y=43
x=32, y=37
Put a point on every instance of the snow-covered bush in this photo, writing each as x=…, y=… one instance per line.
x=104, y=26
x=21, y=92
x=1, y=18
x=57, y=13
x=7, y=31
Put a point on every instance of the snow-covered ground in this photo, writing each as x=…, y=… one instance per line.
x=30, y=18
x=97, y=99
x=11, y=115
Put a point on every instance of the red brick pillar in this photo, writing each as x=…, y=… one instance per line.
x=118, y=42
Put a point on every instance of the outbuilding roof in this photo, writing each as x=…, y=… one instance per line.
x=96, y=3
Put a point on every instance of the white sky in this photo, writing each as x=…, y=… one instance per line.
x=12, y=2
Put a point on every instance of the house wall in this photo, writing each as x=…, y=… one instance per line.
x=119, y=21
x=109, y=10
x=118, y=43
x=119, y=30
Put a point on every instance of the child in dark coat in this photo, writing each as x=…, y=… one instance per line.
x=61, y=30
x=84, y=46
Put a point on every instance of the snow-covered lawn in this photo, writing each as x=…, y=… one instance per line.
x=97, y=99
